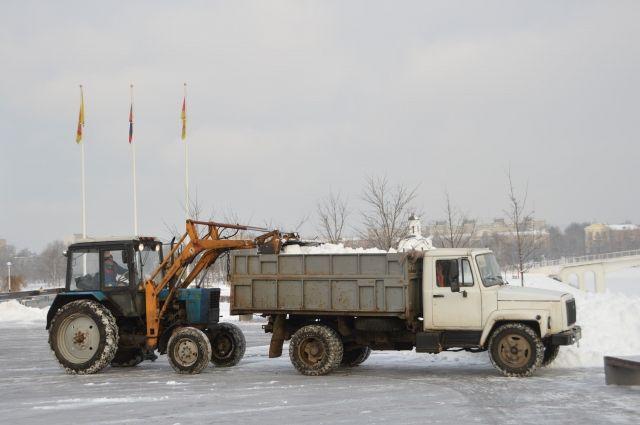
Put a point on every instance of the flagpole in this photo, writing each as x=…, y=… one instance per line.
x=84, y=190
x=186, y=159
x=133, y=166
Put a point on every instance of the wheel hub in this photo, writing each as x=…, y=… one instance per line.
x=311, y=351
x=186, y=352
x=78, y=338
x=515, y=351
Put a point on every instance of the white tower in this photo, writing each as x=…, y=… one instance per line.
x=415, y=228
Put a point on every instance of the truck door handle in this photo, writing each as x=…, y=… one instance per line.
x=438, y=296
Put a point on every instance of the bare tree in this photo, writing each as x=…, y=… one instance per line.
x=52, y=264
x=457, y=230
x=520, y=219
x=384, y=219
x=332, y=215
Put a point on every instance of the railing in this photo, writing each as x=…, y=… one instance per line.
x=583, y=259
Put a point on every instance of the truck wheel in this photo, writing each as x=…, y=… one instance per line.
x=128, y=357
x=516, y=350
x=227, y=344
x=83, y=336
x=550, y=354
x=315, y=350
x=355, y=357
x=188, y=350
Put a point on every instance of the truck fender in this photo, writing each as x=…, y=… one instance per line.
x=501, y=316
x=67, y=297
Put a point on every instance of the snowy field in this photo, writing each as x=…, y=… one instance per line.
x=391, y=387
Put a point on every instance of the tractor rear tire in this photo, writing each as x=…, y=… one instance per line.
x=315, y=350
x=227, y=344
x=129, y=357
x=188, y=350
x=83, y=336
x=354, y=357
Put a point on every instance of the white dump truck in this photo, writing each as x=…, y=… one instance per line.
x=335, y=308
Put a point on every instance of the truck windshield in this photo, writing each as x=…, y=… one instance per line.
x=489, y=270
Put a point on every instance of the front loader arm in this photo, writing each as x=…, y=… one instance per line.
x=211, y=246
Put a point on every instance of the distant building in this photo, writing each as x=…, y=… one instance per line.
x=414, y=240
x=601, y=237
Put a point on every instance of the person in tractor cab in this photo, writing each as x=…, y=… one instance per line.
x=112, y=270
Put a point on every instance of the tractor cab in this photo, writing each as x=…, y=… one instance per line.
x=113, y=269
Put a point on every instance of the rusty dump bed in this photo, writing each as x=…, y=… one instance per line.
x=325, y=284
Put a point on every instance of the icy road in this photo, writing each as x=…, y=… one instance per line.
x=389, y=388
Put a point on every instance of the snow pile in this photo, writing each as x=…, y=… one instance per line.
x=329, y=248
x=417, y=243
x=13, y=312
x=610, y=324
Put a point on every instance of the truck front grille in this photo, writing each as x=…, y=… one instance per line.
x=571, y=312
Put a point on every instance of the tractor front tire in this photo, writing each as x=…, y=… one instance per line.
x=315, y=350
x=83, y=336
x=227, y=344
x=188, y=350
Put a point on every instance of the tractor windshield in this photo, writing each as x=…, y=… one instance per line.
x=149, y=260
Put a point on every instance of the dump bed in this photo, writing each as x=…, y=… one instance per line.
x=330, y=284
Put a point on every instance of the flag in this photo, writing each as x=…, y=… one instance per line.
x=80, y=118
x=131, y=124
x=183, y=117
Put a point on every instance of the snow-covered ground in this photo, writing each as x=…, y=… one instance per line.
x=391, y=387
x=400, y=387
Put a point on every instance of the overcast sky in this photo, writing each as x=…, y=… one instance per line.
x=290, y=99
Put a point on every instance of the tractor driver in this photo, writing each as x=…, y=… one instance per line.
x=112, y=270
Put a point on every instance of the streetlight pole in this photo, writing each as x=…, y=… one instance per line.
x=8, y=276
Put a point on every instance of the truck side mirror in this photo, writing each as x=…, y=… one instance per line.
x=455, y=285
x=125, y=256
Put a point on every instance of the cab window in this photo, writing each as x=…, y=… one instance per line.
x=454, y=270
x=85, y=271
x=115, y=266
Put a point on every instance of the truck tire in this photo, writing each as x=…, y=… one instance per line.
x=83, y=337
x=355, y=357
x=315, y=350
x=550, y=353
x=129, y=357
x=516, y=350
x=227, y=344
x=188, y=350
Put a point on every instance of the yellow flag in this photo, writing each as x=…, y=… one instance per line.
x=80, y=118
x=183, y=117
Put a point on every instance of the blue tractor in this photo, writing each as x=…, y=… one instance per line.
x=124, y=300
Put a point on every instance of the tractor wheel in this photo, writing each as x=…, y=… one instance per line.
x=227, y=344
x=189, y=350
x=83, y=336
x=315, y=350
x=128, y=357
x=355, y=357
x=550, y=354
x=516, y=350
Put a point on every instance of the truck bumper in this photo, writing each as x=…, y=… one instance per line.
x=568, y=337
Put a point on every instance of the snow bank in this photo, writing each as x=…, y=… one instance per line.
x=15, y=313
x=610, y=324
x=329, y=248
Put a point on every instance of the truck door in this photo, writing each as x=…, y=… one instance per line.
x=455, y=310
